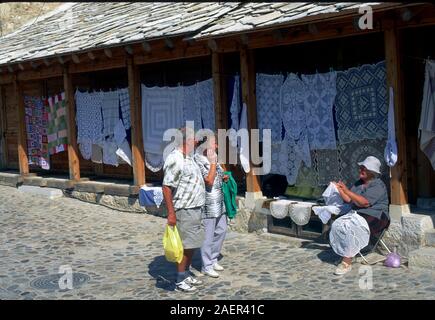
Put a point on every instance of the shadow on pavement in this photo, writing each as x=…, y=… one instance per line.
x=164, y=272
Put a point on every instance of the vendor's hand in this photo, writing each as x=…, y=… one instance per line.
x=226, y=177
x=342, y=186
x=172, y=219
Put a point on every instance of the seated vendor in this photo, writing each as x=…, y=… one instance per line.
x=369, y=198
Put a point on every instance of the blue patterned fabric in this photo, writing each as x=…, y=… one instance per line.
x=268, y=109
x=361, y=103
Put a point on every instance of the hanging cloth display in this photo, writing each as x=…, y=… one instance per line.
x=268, y=109
x=89, y=121
x=279, y=209
x=426, y=127
x=110, y=111
x=124, y=102
x=390, y=152
x=36, y=119
x=244, y=145
x=319, y=103
x=57, y=131
x=235, y=110
x=361, y=103
x=162, y=109
x=191, y=106
x=206, y=103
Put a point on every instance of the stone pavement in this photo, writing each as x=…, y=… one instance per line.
x=116, y=255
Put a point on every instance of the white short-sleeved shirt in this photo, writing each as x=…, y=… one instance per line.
x=184, y=176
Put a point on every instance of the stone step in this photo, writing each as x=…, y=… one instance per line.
x=430, y=238
x=10, y=179
x=50, y=193
x=423, y=258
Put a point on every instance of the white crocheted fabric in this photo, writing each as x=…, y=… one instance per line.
x=300, y=213
x=162, y=109
x=154, y=162
x=236, y=106
x=191, y=107
x=349, y=234
x=124, y=102
x=157, y=194
x=279, y=209
x=110, y=110
x=89, y=118
x=319, y=103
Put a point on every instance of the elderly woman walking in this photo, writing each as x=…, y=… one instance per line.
x=368, y=197
x=213, y=217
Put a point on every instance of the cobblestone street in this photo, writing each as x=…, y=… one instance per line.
x=116, y=255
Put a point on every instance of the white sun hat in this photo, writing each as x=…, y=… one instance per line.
x=371, y=163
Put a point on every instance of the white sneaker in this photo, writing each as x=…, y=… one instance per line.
x=343, y=268
x=183, y=286
x=211, y=273
x=218, y=267
x=192, y=281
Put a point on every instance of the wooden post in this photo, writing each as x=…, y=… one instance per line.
x=23, y=161
x=247, y=72
x=3, y=128
x=220, y=94
x=136, y=123
x=73, y=159
x=399, y=198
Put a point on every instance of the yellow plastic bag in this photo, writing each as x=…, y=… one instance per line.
x=172, y=244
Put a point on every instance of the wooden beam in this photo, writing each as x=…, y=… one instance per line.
x=61, y=59
x=73, y=153
x=136, y=123
x=129, y=50
x=91, y=55
x=3, y=128
x=46, y=62
x=395, y=80
x=20, y=66
x=23, y=161
x=75, y=58
x=220, y=94
x=98, y=65
x=247, y=73
x=108, y=52
x=42, y=73
x=212, y=44
x=10, y=69
x=169, y=44
x=146, y=46
x=181, y=51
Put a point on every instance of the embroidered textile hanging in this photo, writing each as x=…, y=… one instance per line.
x=328, y=166
x=36, y=118
x=162, y=109
x=110, y=110
x=268, y=109
x=352, y=153
x=88, y=117
x=361, y=103
x=57, y=131
x=319, y=103
x=191, y=106
x=124, y=102
x=235, y=110
x=206, y=102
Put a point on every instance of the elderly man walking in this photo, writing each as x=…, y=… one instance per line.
x=184, y=194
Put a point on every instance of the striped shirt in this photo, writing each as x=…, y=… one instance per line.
x=183, y=175
x=214, y=197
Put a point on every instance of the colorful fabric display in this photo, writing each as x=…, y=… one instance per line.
x=361, y=103
x=57, y=130
x=36, y=118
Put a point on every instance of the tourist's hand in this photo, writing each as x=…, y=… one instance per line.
x=211, y=156
x=172, y=219
x=342, y=186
